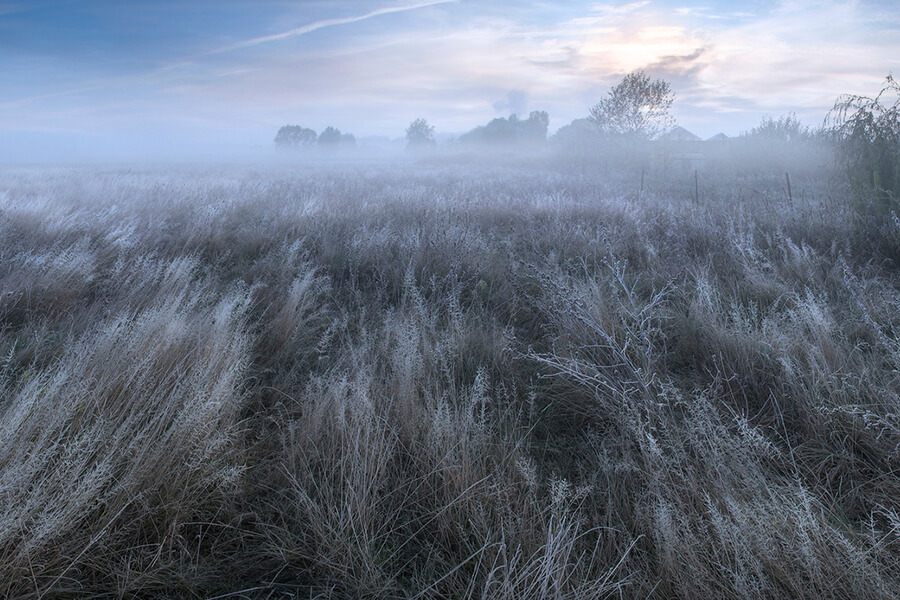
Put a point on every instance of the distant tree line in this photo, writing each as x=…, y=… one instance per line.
x=512, y=130
x=862, y=132
x=296, y=136
x=634, y=111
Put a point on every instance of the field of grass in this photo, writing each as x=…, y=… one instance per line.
x=445, y=382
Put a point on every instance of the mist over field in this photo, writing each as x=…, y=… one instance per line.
x=442, y=300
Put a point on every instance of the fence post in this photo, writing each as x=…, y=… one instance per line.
x=696, y=187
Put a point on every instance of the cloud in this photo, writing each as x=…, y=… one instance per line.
x=461, y=76
x=305, y=29
x=515, y=103
x=459, y=67
x=680, y=70
x=801, y=56
x=796, y=56
x=619, y=9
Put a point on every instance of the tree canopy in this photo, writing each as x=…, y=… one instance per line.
x=786, y=128
x=420, y=135
x=294, y=136
x=637, y=107
x=867, y=130
x=511, y=130
x=331, y=137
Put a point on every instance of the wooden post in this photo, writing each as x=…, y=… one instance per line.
x=696, y=187
x=790, y=194
x=641, y=193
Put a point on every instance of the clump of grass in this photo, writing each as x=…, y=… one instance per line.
x=111, y=455
x=434, y=383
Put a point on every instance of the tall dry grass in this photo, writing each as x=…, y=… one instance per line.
x=438, y=383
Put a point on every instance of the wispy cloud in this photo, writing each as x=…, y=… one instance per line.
x=305, y=29
x=31, y=99
x=721, y=69
x=461, y=64
x=195, y=63
x=619, y=9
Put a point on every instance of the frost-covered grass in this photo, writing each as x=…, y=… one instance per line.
x=444, y=382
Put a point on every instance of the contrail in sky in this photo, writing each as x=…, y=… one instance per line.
x=245, y=44
x=325, y=23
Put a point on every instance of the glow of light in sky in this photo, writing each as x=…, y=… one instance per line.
x=101, y=76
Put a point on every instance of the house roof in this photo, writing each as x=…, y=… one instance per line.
x=679, y=134
x=719, y=137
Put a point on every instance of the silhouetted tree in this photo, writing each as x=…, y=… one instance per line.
x=330, y=136
x=774, y=147
x=419, y=135
x=473, y=136
x=579, y=135
x=294, y=136
x=500, y=130
x=786, y=128
x=534, y=128
x=867, y=131
x=637, y=107
x=511, y=130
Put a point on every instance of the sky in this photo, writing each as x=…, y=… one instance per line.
x=105, y=79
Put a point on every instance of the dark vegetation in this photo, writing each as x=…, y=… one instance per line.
x=544, y=380
x=441, y=383
x=638, y=106
x=868, y=131
x=294, y=137
x=420, y=136
x=512, y=130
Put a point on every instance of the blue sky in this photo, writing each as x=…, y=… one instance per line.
x=98, y=77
